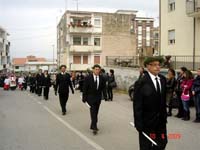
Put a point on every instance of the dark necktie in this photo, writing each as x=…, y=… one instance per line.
x=157, y=86
x=96, y=83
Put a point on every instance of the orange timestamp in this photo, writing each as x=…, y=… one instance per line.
x=172, y=136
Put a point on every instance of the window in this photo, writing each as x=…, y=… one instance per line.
x=171, y=5
x=77, y=40
x=156, y=36
x=156, y=43
x=171, y=37
x=85, y=41
x=148, y=36
x=97, y=41
x=139, y=43
x=147, y=29
x=85, y=59
x=139, y=29
x=76, y=59
x=139, y=37
x=16, y=67
x=96, y=59
x=147, y=42
x=97, y=22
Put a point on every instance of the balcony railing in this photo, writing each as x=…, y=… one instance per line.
x=193, y=8
x=84, y=48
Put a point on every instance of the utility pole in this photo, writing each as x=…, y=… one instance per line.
x=53, y=53
x=77, y=1
x=66, y=5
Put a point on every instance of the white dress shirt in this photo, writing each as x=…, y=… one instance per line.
x=97, y=80
x=153, y=78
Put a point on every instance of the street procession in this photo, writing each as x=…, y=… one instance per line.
x=99, y=75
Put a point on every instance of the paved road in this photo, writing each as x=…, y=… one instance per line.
x=27, y=122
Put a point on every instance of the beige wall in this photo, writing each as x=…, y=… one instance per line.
x=197, y=36
x=117, y=40
x=183, y=26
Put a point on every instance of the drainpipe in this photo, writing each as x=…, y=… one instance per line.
x=194, y=44
x=194, y=40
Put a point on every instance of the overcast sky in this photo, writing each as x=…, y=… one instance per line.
x=32, y=23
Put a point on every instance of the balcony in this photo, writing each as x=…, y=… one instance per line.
x=84, y=48
x=193, y=8
x=80, y=28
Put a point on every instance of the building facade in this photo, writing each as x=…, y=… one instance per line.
x=4, y=49
x=180, y=31
x=179, y=27
x=144, y=36
x=86, y=38
x=32, y=64
x=156, y=41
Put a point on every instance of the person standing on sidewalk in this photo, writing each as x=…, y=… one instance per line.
x=46, y=83
x=93, y=87
x=178, y=91
x=111, y=84
x=63, y=82
x=196, y=94
x=186, y=95
x=150, y=113
x=171, y=84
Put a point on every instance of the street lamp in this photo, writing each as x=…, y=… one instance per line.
x=53, y=53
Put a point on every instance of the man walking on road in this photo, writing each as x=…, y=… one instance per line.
x=39, y=78
x=63, y=83
x=150, y=113
x=93, y=87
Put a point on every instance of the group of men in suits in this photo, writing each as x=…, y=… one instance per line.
x=150, y=115
x=94, y=86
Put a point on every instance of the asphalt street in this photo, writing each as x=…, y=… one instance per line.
x=28, y=122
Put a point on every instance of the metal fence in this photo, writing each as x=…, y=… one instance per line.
x=191, y=62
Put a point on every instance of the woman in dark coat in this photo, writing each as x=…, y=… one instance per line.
x=111, y=84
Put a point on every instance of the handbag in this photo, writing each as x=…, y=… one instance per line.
x=174, y=102
x=113, y=84
x=185, y=97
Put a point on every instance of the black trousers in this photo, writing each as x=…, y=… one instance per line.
x=32, y=89
x=110, y=93
x=159, y=136
x=39, y=90
x=46, y=92
x=94, y=110
x=63, y=100
x=180, y=107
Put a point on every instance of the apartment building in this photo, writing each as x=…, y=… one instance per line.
x=156, y=41
x=180, y=31
x=4, y=49
x=193, y=11
x=144, y=28
x=180, y=27
x=86, y=38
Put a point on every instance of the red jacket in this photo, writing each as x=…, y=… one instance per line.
x=186, y=86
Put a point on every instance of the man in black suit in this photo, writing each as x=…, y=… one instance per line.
x=39, y=78
x=150, y=115
x=46, y=83
x=63, y=83
x=93, y=87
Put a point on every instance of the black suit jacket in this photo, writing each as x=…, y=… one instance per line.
x=63, y=83
x=90, y=92
x=46, y=81
x=149, y=107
